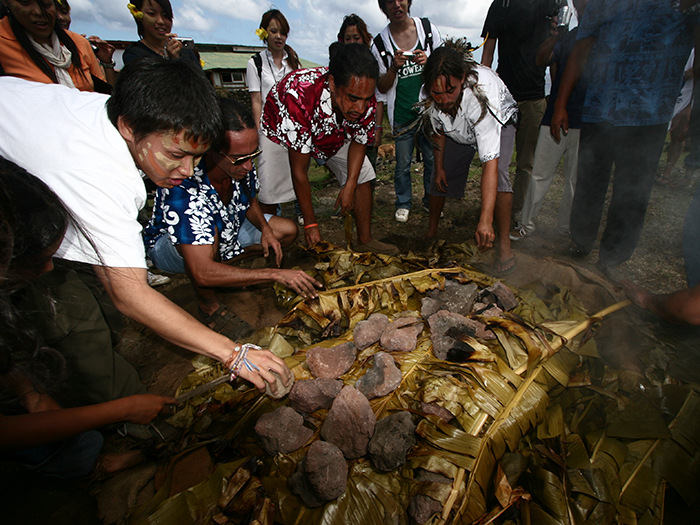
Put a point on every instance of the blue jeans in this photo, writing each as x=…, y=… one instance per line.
x=166, y=258
x=405, y=141
x=73, y=458
x=691, y=241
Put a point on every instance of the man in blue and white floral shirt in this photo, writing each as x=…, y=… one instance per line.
x=214, y=217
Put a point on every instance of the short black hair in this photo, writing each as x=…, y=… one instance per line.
x=382, y=6
x=236, y=116
x=352, y=60
x=153, y=95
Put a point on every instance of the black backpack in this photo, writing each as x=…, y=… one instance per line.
x=257, y=60
x=379, y=43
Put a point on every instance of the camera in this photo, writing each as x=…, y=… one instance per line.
x=564, y=17
x=187, y=43
x=408, y=54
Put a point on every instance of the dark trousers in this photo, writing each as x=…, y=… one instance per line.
x=74, y=315
x=635, y=153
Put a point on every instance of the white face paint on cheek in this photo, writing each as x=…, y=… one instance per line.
x=167, y=140
x=168, y=164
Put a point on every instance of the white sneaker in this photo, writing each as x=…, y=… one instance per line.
x=401, y=214
x=300, y=220
x=157, y=280
x=518, y=234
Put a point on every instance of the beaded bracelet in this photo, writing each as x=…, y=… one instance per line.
x=233, y=363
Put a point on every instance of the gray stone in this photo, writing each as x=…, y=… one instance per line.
x=436, y=410
x=369, y=331
x=402, y=334
x=331, y=363
x=456, y=297
x=422, y=508
x=382, y=379
x=441, y=322
x=350, y=423
x=326, y=470
x=282, y=431
x=505, y=297
x=392, y=438
x=444, y=326
x=429, y=306
x=280, y=389
x=314, y=394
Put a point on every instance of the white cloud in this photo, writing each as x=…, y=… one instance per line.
x=238, y=9
x=106, y=13
x=314, y=24
x=193, y=18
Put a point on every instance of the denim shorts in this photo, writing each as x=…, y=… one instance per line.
x=166, y=258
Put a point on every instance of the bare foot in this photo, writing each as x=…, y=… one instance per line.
x=117, y=461
x=430, y=235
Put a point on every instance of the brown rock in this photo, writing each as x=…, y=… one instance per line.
x=402, y=334
x=331, y=363
x=300, y=485
x=382, y=379
x=327, y=470
x=314, y=394
x=321, y=476
x=282, y=431
x=505, y=298
x=437, y=410
x=369, y=331
x=350, y=423
x=422, y=508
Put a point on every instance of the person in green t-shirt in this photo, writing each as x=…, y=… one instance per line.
x=402, y=49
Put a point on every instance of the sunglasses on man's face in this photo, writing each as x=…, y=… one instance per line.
x=242, y=159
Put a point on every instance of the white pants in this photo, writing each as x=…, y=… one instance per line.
x=547, y=156
x=276, y=177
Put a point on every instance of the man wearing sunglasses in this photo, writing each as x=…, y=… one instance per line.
x=214, y=218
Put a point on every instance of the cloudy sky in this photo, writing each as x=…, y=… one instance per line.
x=314, y=23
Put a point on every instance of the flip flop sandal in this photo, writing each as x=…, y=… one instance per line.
x=225, y=323
x=664, y=180
x=500, y=269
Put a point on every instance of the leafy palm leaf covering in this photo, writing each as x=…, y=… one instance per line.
x=543, y=431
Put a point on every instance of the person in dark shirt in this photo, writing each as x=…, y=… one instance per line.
x=520, y=27
x=154, y=22
x=554, y=52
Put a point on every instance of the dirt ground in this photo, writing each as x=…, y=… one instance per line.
x=657, y=264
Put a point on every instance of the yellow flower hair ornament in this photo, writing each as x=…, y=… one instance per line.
x=134, y=11
x=262, y=34
x=60, y=2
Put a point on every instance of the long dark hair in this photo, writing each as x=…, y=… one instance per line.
x=276, y=14
x=32, y=219
x=164, y=5
x=21, y=35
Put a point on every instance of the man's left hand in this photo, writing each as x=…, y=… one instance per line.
x=346, y=199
